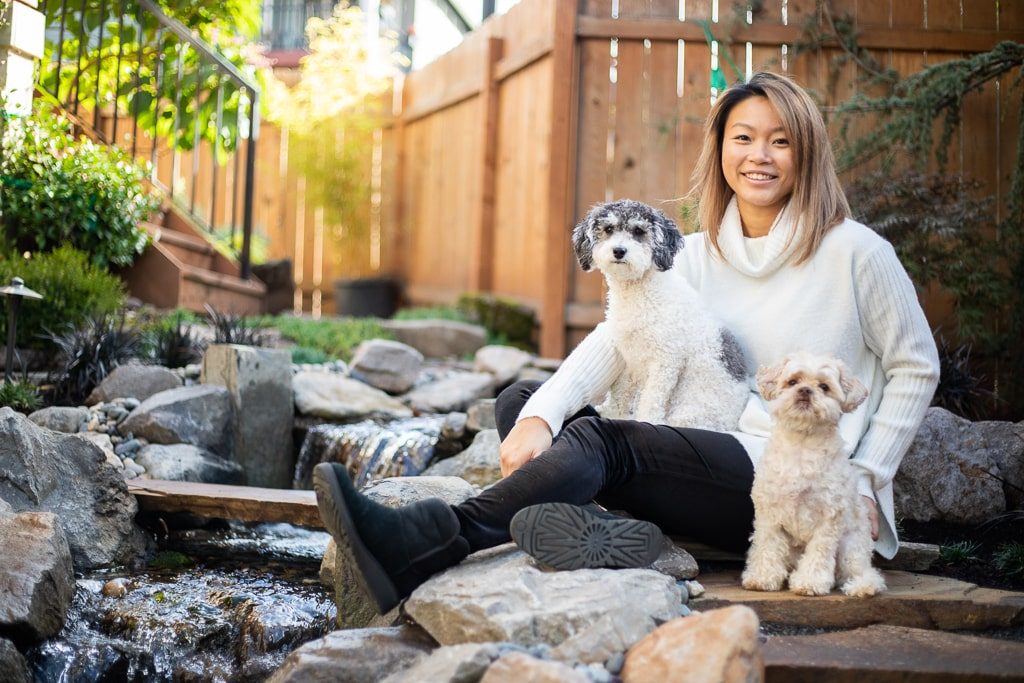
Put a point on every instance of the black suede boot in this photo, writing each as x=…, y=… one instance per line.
x=392, y=550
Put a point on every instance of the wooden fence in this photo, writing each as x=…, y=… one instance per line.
x=498, y=147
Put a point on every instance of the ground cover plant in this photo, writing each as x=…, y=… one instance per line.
x=334, y=338
x=23, y=397
x=989, y=554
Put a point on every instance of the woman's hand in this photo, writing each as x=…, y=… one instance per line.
x=528, y=439
x=872, y=513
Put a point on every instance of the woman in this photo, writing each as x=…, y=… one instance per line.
x=786, y=270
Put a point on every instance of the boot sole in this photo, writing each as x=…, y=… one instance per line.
x=368, y=573
x=566, y=536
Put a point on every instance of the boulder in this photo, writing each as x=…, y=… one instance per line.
x=47, y=471
x=259, y=382
x=200, y=415
x=480, y=416
x=951, y=472
x=586, y=615
x=134, y=380
x=386, y=365
x=355, y=610
x=61, y=419
x=522, y=668
x=37, y=580
x=438, y=338
x=717, y=646
x=333, y=396
x=504, y=362
x=451, y=664
x=184, y=462
x=453, y=393
x=13, y=667
x=453, y=438
x=479, y=464
x=355, y=656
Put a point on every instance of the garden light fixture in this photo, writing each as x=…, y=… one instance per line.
x=14, y=293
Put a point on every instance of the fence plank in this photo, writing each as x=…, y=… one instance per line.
x=627, y=161
x=662, y=126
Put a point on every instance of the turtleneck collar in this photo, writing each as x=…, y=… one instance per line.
x=772, y=251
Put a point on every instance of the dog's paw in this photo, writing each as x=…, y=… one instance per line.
x=865, y=585
x=755, y=582
x=811, y=584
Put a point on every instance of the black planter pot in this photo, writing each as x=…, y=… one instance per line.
x=363, y=297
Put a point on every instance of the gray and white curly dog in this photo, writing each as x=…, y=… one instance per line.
x=682, y=367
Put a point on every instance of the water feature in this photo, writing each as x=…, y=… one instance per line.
x=371, y=449
x=250, y=596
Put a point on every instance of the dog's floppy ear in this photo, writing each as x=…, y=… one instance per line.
x=667, y=241
x=768, y=380
x=854, y=391
x=582, y=245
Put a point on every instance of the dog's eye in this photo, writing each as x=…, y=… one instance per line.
x=609, y=229
x=791, y=383
x=638, y=232
x=823, y=387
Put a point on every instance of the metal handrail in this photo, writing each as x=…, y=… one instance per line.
x=209, y=67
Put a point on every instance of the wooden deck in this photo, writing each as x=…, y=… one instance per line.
x=246, y=503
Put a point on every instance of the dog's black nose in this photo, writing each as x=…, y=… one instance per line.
x=805, y=392
x=619, y=252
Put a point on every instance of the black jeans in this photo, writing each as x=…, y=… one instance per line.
x=689, y=482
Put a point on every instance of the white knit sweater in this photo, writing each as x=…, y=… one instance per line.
x=852, y=299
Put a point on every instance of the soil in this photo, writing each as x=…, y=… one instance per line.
x=981, y=568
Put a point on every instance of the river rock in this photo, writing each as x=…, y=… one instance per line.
x=333, y=396
x=355, y=656
x=517, y=667
x=438, y=338
x=134, y=380
x=184, y=462
x=501, y=595
x=46, y=471
x=200, y=415
x=674, y=561
x=386, y=365
x=37, y=580
x=355, y=610
x=504, y=362
x=480, y=416
x=950, y=472
x=720, y=645
x=259, y=382
x=479, y=464
x=60, y=419
x=453, y=393
x=13, y=667
x=451, y=664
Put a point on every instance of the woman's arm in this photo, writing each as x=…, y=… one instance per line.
x=896, y=330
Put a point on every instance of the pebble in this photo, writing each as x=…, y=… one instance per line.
x=128, y=462
x=93, y=424
x=115, y=440
x=684, y=592
x=594, y=672
x=131, y=403
x=694, y=589
x=614, y=663
x=115, y=588
x=103, y=429
x=684, y=611
x=129, y=447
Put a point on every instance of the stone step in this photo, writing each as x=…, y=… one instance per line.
x=913, y=600
x=245, y=503
x=891, y=654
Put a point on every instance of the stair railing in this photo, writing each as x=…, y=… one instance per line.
x=154, y=88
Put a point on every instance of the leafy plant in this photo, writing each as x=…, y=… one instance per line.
x=337, y=337
x=73, y=289
x=304, y=354
x=91, y=352
x=229, y=328
x=172, y=342
x=1009, y=559
x=56, y=190
x=959, y=552
x=505, y=319
x=21, y=396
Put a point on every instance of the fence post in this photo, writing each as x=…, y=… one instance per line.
x=561, y=179
x=21, y=43
x=481, y=271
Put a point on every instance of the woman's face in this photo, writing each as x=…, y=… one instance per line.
x=757, y=161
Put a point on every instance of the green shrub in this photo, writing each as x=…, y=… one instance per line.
x=431, y=313
x=335, y=337
x=304, y=354
x=170, y=341
x=507, y=321
x=56, y=190
x=20, y=396
x=73, y=289
x=959, y=552
x=1009, y=559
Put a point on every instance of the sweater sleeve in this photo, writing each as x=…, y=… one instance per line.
x=584, y=377
x=896, y=330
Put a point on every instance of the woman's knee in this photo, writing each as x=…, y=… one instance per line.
x=510, y=403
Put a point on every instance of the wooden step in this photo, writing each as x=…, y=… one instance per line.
x=245, y=503
x=189, y=249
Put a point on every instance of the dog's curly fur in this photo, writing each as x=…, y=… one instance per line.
x=683, y=368
x=810, y=525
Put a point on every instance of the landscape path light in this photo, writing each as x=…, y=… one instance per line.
x=15, y=292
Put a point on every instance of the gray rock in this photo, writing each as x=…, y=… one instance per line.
x=386, y=365
x=534, y=375
x=13, y=667
x=518, y=667
x=454, y=426
x=480, y=416
x=260, y=386
x=184, y=462
x=452, y=664
x=60, y=419
x=950, y=472
x=438, y=338
x=355, y=610
x=37, y=580
x=5, y=508
x=453, y=393
x=355, y=656
x=47, y=471
x=479, y=464
x=330, y=395
x=200, y=415
x=504, y=362
x=129, y=448
x=676, y=562
x=911, y=557
x=501, y=595
x=134, y=380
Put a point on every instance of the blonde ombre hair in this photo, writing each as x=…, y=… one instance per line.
x=817, y=201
